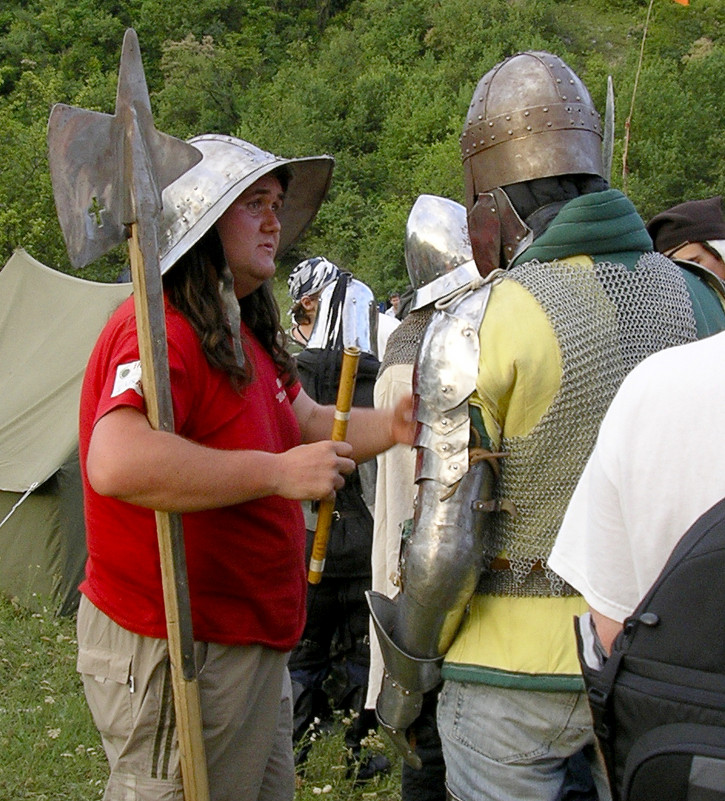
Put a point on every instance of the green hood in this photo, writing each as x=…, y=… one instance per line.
x=602, y=224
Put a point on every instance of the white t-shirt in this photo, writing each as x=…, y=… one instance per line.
x=659, y=463
x=386, y=326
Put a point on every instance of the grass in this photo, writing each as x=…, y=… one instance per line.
x=50, y=749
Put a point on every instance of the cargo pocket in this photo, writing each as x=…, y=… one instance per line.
x=107, y=684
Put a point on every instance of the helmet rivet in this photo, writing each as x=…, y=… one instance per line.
x=510, y=132
x=508, y=117
x=493, y=136
x=571, y=81
x=490, y=125
x=578, y=98
x=528, y=127
x=480, y=116
x=526, y=113
x=558, y=80
x=545, y=109
x=548, y=125
x=518, y=237
x=563, y=97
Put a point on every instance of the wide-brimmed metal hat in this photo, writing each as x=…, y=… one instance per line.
x=195, y=201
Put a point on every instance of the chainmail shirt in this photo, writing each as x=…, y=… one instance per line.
x=606, y=320
x=402, y=347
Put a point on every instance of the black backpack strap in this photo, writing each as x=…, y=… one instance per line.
x=599, y=685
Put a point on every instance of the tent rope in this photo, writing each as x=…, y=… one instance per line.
x=19, y=501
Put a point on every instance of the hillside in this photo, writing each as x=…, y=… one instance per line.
x=383, y=85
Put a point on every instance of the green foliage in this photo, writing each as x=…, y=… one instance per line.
x=383, y=85
x=49, y=747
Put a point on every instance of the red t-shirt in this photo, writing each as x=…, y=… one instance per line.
x=247, y=578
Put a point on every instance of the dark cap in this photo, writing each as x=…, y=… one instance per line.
x=693, y=221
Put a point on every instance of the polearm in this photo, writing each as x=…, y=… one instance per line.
x=608, y=135
x=343, y=404
x=108, y=173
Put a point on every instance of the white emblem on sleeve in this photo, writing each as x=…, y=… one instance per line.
x=128, y=376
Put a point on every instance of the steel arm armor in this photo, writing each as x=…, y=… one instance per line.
x=442, y=558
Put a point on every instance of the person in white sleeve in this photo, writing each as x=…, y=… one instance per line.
x=658, y=464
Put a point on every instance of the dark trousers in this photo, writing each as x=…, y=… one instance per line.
x=330, y=666
x=428, y=783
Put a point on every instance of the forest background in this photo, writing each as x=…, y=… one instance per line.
x=382, y=85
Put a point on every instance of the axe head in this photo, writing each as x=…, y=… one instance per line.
x=94, y=164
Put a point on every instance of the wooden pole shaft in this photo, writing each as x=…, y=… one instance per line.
x=153, y=350
x=345, y=392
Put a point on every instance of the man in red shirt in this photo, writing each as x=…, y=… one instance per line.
x=236, y=467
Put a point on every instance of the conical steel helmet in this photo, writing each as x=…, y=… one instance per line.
x=196, y=200
x=530, y=117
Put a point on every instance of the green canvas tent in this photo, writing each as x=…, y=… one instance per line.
x=49, y=323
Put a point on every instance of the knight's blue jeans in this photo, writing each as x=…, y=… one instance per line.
x=512, y=745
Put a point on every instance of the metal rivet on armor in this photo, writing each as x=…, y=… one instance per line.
x=493, y=136
x=480, y=116
x=490, y=125
x=492, y=209
x=445, y=422
x=526, y=113
x=545, y=109
x=511, y=133
x=563, y=97
x=445, y=390
x=508, y=117
x=528, y=127
x=571, y=81
x=518, y=237
x=558, y=80
x=578, y=98
x=548, y=125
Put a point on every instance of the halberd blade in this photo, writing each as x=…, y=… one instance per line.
x=90, y=163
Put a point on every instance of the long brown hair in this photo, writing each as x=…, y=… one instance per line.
x=193, y=288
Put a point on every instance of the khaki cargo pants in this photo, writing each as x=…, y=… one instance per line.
x=246, y=709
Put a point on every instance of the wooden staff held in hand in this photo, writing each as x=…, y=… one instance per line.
x=346, y=389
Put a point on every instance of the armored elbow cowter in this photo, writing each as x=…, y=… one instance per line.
x=442, y=558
